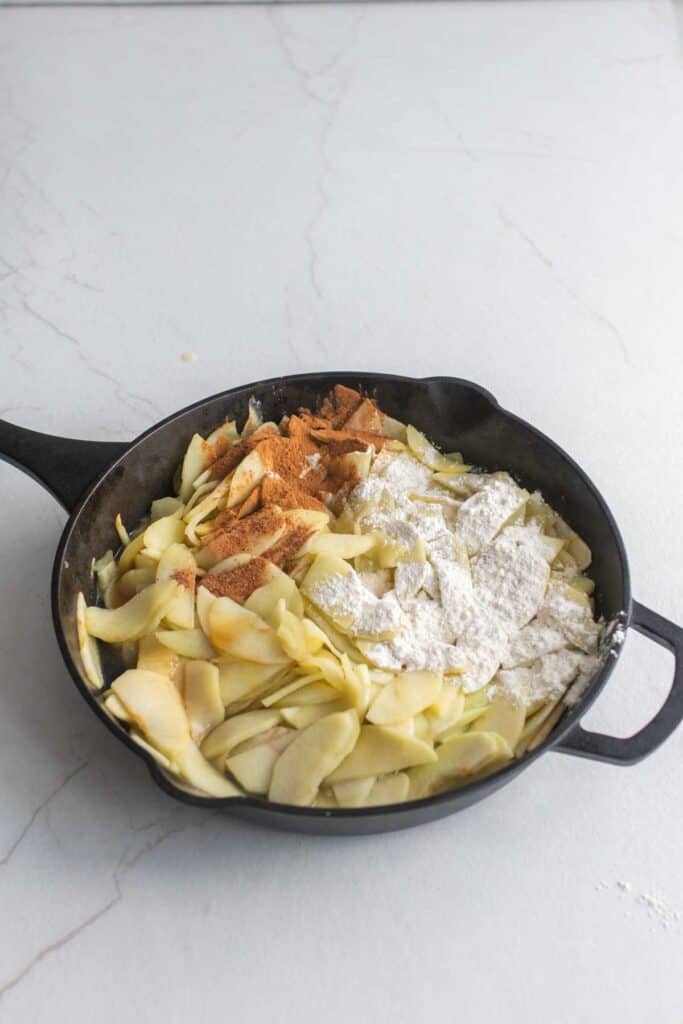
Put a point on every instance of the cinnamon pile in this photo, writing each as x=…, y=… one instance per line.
x=301, y=465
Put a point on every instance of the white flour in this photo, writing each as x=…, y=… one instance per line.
x=473, y=598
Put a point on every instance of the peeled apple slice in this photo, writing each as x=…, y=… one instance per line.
x=325, y=800
x=392, y=789
x=306, y=693
x=87, y=646
x=353, y=793
x=503, y=717
x=161, y=534
x=187, y=643
x=264, y=600
x=242, y=634
x=177, y=563
x=139, y=616
x=446, y=710
x=155, y=657
x=406, y=695
x=301, y=716
x=241, y=681
x=340, y=545
x=429, y=455
x=115, y=707
x=460, y=726
x=457, y=759
x=128, y=585
x=203, y=602
x=300, y=638
x=201, y=692
x=106, y=571
x=195, y=461
x=250, y=471
x=130, y=553
x=154, y=704
x=165, y=507
x=236, y=730
x=253, y=768
x=379, y=751
x=312, y=756
x=196, y=769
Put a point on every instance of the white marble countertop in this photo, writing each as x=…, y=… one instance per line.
x=484, y=190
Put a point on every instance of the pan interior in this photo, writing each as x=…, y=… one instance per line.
x=456, y=414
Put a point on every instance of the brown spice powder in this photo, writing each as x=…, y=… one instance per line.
x=239, y=583
x=289, y=545
x=185, y=577
x=292, y=480
x=276, y=491
x=339, y=405
x=240, y=537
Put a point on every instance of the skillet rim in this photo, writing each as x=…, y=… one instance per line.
x=502, y=776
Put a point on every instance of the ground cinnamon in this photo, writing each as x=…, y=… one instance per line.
x=302, y=466
x=185, y=577
x=239, y=583
x=244, y=533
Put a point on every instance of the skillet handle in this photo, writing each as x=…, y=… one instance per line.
x=583, y=743
x=63, y=465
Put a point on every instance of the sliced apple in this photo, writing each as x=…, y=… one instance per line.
x=87, y=647
x=264, y=600
x=177, y=563
x=353, y=793
x=195, y=461
x=154, y=656
x=311, y=757
x=161, y=534
x=233, y=731
x=253, y=767
x=202, y=697
x=141, y=615
x=503, y=717
x=406, y=695
x=163, y=507
x=187, y=643
x=391, y=789
x=340, y=545
x=130, y=553
x=308, y=693
x=106, y=571
x=242, y=681
x=194, y=767
x=250, y=471
x=204, y=600
x=446, y=710
x=154, y=704
x=115, y=707
x=381, y=750
x=429, y=455
x=128, y=585
x=456, y=761
x=300, y=716
x=460, y=726
x=242, y=634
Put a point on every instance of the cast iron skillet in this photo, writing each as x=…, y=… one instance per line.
x=457, y=414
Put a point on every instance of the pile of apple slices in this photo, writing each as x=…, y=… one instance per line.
x=268, y=697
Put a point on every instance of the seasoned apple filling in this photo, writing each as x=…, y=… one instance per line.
x=331, y=612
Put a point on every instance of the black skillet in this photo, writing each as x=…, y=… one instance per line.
x=96, y=480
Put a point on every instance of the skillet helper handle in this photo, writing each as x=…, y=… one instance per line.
x=583, y=743
x=63, y=465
